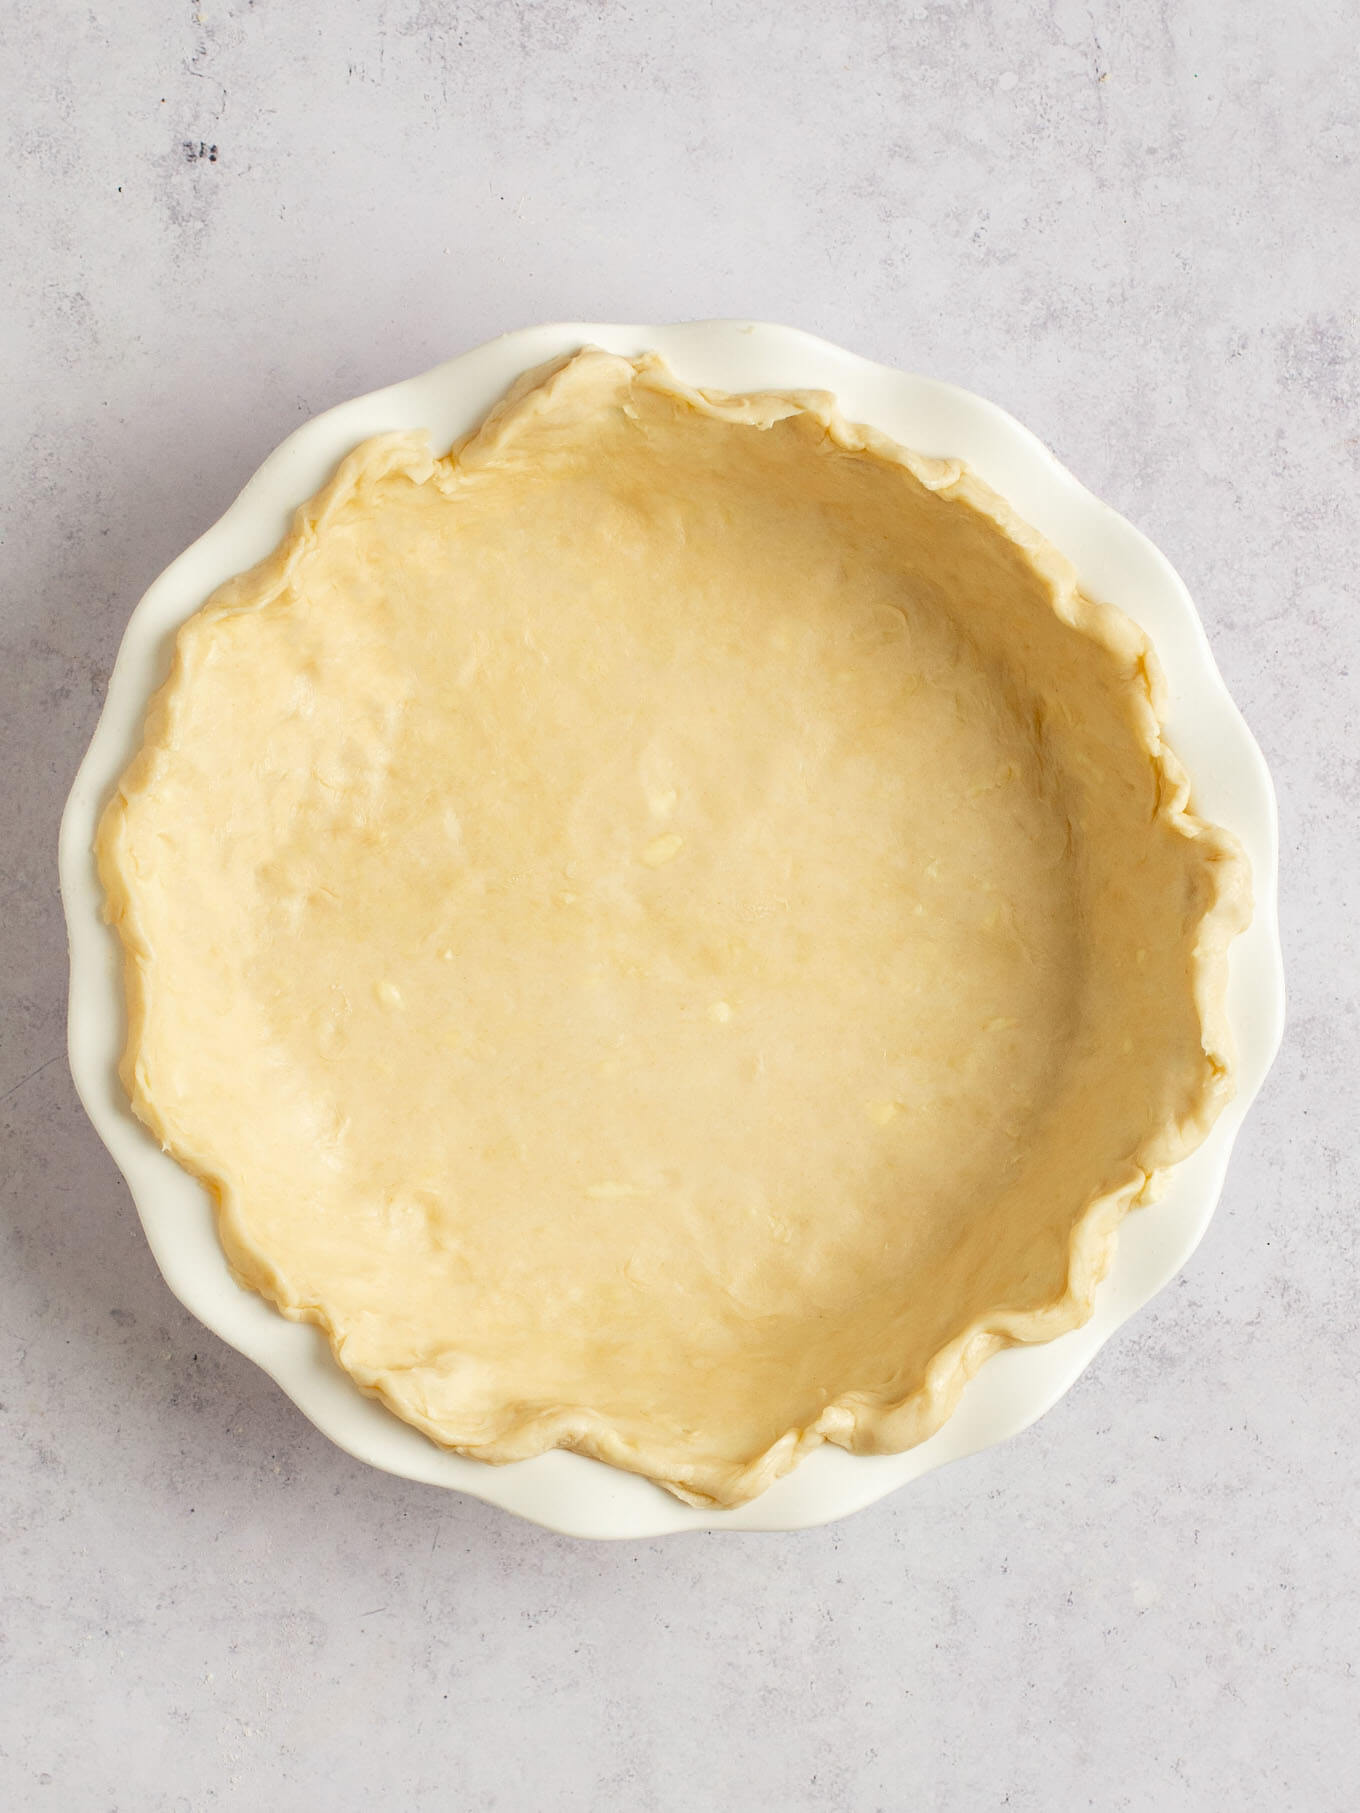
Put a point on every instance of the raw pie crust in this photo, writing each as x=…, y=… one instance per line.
x=670, y=932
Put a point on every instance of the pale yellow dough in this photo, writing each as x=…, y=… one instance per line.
x=670, y=931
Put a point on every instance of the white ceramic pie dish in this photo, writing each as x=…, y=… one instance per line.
x=1114, y=562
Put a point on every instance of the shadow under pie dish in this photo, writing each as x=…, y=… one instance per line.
x=669, y=931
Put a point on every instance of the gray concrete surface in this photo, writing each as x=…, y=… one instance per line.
x=1133, y=225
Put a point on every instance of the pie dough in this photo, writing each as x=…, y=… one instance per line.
x=670, y=931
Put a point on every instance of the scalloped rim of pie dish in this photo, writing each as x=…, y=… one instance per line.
x=853, y=1422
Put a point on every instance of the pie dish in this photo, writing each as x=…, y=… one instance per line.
x=671, y=931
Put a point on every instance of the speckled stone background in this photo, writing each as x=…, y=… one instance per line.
x=1132, y=224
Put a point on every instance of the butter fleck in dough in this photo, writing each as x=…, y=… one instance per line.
x=670, y=931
